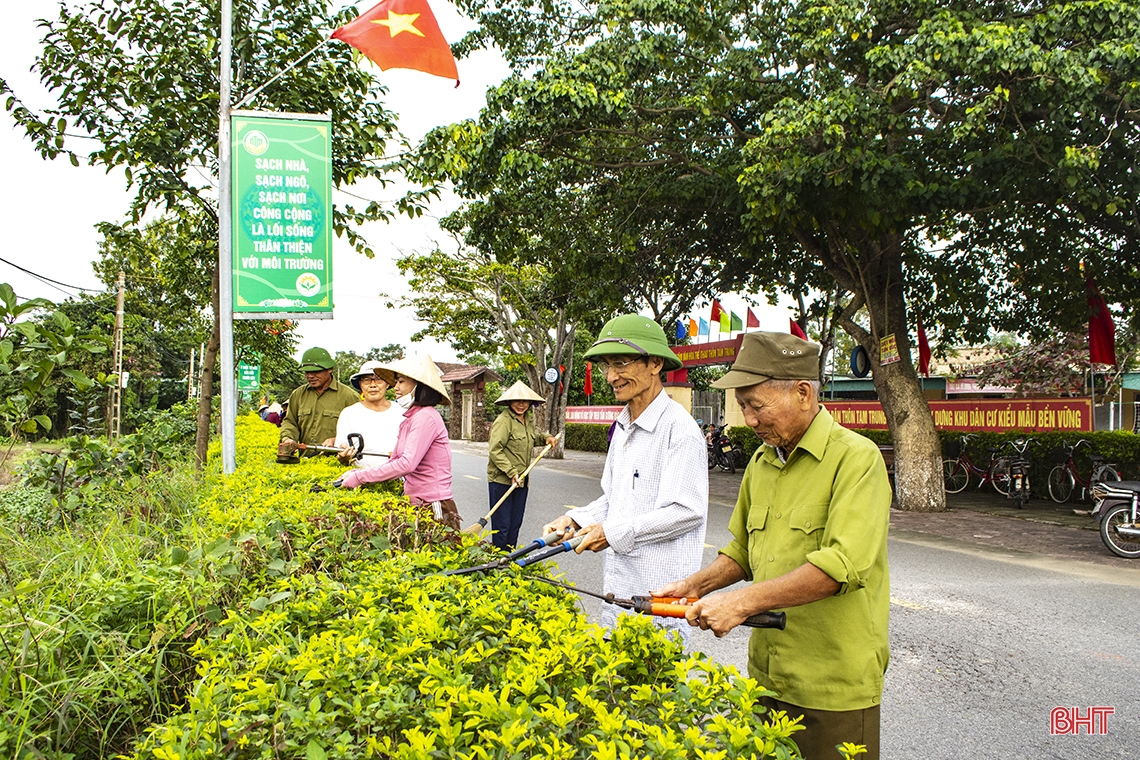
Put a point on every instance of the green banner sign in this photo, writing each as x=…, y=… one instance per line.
x=282, y=215
x=249, y=377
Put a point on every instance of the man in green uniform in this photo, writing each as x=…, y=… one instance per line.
x=314, y=407
x=810, y=533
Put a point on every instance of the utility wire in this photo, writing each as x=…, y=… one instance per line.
x=49, y=280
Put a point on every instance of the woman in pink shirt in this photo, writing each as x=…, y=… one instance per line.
x=422, y=454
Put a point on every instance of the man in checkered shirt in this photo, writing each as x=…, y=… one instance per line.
x=650, y=519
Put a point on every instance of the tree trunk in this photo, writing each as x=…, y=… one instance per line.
x=206, y=399
x=874, y=274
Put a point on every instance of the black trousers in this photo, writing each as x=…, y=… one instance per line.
x=825, y=728
x=507, y=520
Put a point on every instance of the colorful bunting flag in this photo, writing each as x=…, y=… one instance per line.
x=725, y=321
x=401, y=34
x=704, y=328
x=681, y=330
x=692, y=327
x=737, y=323
x=752, y=320
x=795, y=330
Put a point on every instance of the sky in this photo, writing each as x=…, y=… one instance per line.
x=52, y=207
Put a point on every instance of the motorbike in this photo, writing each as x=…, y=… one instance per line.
x=1018, y=469
x=721, y=451
x=1117, y=509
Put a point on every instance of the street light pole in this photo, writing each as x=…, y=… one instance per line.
x=225, y=243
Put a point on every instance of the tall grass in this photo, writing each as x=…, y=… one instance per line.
x=94, y=621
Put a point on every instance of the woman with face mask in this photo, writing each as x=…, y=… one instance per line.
x=375, y=418
x=422, y=452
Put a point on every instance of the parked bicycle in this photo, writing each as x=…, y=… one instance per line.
x=1064, y=478
x=1118, y=509
x=956, y=472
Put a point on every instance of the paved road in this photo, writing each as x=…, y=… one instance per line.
x=985, y=640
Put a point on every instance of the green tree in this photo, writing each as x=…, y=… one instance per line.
x=483, y=307
x=140, y=77
x=895, y=154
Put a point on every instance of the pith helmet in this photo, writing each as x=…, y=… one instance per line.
x=520, y=391
x=316, y=359
x=768, y=356
x=372, y=368
x=421, y=369
x=635, y=335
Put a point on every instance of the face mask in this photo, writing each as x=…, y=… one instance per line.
x=406, y=400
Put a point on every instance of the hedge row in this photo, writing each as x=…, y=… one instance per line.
x=587, y=437
x=346, y=642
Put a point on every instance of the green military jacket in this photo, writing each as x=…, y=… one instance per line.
x=312, y=416
x=512, y=445
x=828, y=505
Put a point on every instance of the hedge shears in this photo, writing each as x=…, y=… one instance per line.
x=355, y=442
x=518, y=556
x=667, y=606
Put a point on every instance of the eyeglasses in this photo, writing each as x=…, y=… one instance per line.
x=618, y=365
x=371, y=380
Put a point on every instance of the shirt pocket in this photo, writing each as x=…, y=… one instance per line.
x=807, y=522
x=757, y=519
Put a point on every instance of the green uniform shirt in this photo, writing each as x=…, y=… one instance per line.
x=312, y=416
x=512, y=445
x=829, y=505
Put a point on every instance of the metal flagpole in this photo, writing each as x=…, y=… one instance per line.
x=225, y=243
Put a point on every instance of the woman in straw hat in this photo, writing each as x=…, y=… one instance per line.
x=375, y=418
x=512, y=443
x=422, y=453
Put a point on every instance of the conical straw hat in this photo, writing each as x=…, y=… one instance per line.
x=421, y=369
x=520, y=391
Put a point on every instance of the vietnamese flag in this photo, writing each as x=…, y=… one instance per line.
x=717, y=311
x=401, y=34
x=1102, y=330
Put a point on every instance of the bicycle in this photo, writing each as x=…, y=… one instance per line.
x=956, y=472
x=1065, y=476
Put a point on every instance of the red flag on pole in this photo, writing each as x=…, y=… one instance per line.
x=589, y=385
x=795, y=330
x=716, y=312
x=1102, y=330
x=923, y=351
x=752, y=321
x=401, y=34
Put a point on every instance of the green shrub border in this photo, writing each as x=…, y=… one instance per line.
x=584, y=436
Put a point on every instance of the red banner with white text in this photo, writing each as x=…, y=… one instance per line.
x=989, y=415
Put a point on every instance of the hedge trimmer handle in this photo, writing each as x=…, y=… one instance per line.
x=358, y=446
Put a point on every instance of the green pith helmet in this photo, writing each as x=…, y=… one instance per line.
x=316, y=359
x=635, y=335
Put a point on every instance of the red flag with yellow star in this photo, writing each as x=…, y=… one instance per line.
x=401, y=34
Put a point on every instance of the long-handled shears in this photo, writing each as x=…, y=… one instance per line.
x=518, y=556
x=667, y=606
x=357, y=447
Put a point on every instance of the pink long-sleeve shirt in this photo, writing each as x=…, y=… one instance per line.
x=422, y=456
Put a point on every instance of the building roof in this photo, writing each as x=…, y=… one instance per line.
x=462, y=373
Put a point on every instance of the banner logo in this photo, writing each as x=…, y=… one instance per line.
x=308, y=284
x=255, y=142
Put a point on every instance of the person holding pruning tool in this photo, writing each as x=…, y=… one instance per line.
x=313, y=408
x=810, y=534
x=422, y=453
x=512, y=441
x=650, y=519
x=375, y=418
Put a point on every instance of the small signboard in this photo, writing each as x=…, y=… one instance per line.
x=889, y=350
x=282, y=215
x=249, y=377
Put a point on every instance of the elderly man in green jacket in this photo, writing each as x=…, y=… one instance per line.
x=810, y=535
x=314, y=407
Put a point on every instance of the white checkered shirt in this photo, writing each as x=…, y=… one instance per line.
x=654, y=503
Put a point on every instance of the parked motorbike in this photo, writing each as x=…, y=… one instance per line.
x=1018, y=467
x=721, y=451
x=1118, y=511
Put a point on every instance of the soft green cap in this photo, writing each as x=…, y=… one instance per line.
x=768, y=356
x=635, y=335
x=316, y=359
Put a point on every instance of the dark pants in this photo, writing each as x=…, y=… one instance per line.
x=507, y=520
x=825, y=729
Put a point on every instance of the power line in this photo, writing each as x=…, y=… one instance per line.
x=49, y=280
